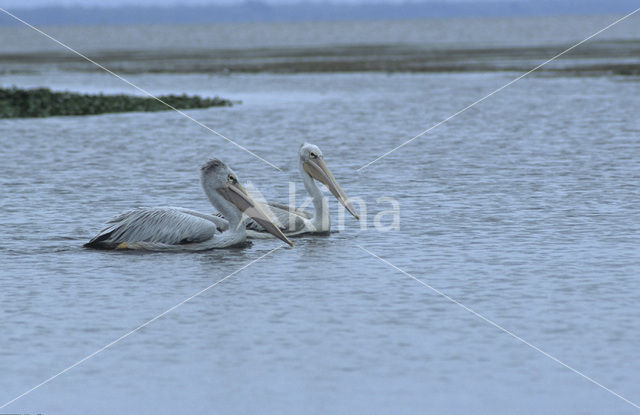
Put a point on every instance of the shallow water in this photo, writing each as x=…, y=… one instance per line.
x=524, y=208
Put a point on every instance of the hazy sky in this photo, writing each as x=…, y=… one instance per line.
x=38, y=3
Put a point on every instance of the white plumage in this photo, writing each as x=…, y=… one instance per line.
x=293, y=221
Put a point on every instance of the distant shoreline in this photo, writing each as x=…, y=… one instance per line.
x=459, y=45
x=257, y=11
x=594, y=59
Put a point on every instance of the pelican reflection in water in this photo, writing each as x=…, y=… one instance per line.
x=179, y=229
x=294, y=221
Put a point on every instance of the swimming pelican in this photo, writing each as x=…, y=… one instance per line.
x=179, y=229
x=294, y=221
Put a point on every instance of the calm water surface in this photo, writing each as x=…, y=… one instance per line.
x=524, y=208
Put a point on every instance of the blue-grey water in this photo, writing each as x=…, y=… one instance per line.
x=524, y=208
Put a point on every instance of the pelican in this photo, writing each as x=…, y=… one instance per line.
x=179, y=229
x=294, y=222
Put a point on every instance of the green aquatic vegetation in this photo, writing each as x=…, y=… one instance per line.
x=42, y=102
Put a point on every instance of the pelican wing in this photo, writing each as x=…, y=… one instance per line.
x=288, y=219
x=291, y=209
x=221, y=223
x=169, y=226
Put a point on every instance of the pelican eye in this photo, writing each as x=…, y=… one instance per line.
x=313, y=155
x=233, y=179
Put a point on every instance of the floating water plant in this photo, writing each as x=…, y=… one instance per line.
x=42, y=102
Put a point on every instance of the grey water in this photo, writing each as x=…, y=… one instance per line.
x=525, y=208
x=435, y=33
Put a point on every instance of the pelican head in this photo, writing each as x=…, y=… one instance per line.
x=226, y=193
x=313, y=164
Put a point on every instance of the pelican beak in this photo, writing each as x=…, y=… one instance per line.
x=236, y=194
x=317, y=169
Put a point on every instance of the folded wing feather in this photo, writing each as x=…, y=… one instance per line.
x=165, y=225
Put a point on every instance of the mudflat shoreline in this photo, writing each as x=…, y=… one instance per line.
x=595, y=58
